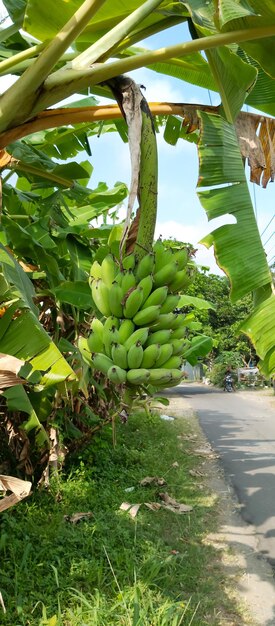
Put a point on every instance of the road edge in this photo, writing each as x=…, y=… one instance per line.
x=245, y=568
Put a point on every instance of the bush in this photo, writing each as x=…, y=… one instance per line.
x=217, y=374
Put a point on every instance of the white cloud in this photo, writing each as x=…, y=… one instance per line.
x=193, y=234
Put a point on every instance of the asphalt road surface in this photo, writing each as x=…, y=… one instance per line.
x=241, y=428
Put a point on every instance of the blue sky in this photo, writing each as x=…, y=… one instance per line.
x=180, y=214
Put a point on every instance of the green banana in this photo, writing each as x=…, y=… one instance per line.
x=95, y=341
x=160, y=336
x=146, y=285
x=146, y=316
x=108, y=270
x=174, y=362
x=169, y=304
x=116, y=374
x=119, y=355
x=119, y=276
x=180, y=281
x=150, y=355
x=95, y=271
x=83, y=347
x=97, y=326
x=138, y=376
x=176, y=374
x=116, y=295
x=162, y=255
x=157, y=297
x=109, y=323
x=179, y=333
x=164, y=321
x=100, y=295
x=141, y=334
x=129, y=262
x=125, y=330
x=176, y=377
x=179, y=321
x=181, y=256
x=145, y=266
x=133, y=303
x=166, y=350
x=134, y=356
x=128, y=281
x=159, y=376
x=166, y=274
x=110, y=336
x=102, y=363
x=178, y=346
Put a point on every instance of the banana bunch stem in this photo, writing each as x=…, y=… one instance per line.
x=144, y=165
x=148, y=184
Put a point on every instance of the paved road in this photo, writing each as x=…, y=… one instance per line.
x=241, y=428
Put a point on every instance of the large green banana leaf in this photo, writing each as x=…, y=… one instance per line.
x=260, y=327
x=238, y=248
x=44, y=20
x=237, y=15
x=200, y=347
x=24, y=337
x=21, y=333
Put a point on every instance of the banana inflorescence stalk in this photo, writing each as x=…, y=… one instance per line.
x=140, y=338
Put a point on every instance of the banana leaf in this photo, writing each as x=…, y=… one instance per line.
x=15, y=275
x=44, y=20
x=17, y=400
x=24, y=337
x=238, y=247
x=198, y=303
x=200, y=346
x=260, y=328
x=239, y=15
x=77, y=293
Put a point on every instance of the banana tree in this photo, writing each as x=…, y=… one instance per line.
x=64, y=48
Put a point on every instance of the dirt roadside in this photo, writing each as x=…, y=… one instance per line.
x=251, y=579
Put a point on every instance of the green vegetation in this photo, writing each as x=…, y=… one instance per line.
x=110, y=568
x=156, y=569
x=222, y=323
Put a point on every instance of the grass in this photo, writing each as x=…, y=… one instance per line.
x=155, y=570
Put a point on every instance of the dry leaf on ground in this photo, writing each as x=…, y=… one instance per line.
x=207, y=451
x=132, y=509
x=175, y=464
x=197, y=473
x=77, y=517
x=172, y=505
x=167, y=503
x=192, y=438
x=20, y=489
x=153, y=506
x=152, y=480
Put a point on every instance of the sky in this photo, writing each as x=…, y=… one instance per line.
x=180, y=214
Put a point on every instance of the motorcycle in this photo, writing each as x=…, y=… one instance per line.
x=228, y=383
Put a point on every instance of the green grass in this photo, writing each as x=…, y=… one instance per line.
x=155, y=570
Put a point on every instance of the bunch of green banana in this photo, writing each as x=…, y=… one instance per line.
x=140, y=339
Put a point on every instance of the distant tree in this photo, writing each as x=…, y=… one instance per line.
x=222, y=323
